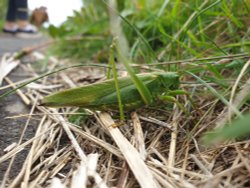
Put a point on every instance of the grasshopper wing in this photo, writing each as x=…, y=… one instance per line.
x=83, y=96
x=93, y=95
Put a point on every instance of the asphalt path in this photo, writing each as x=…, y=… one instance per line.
x=10, y=43
x=10, y=129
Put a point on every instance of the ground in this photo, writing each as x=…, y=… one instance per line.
x=64, y=141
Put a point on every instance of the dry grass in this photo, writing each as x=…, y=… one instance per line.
x=155, y=148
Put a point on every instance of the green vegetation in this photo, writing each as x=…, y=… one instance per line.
x=239, y=128
x=172, y=29
x=85, y=34
x=3, y=8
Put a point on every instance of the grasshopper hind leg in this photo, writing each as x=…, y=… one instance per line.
x=170, y=97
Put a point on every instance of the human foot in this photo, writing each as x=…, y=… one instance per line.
x=31, y=29
x=27, y=31
x=10, y=28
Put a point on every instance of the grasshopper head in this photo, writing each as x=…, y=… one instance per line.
x=169, y=80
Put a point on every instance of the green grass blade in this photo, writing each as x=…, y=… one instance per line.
x=217, y=46
x=175, y=9
x=230, y=14
x=143, y=39
x=142, y=89
x=213, y=69
x=47, y=74
x=238, y=129
x=173, y=39
x=214, y=92
x=201, y=10
x=112, y=62
x=164, y=5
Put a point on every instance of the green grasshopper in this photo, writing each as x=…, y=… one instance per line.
x=103, y=96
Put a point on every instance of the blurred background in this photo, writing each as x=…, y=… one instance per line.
x=57, y=11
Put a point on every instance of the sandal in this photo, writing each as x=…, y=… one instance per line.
x=10, y=31
x=31, y=29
